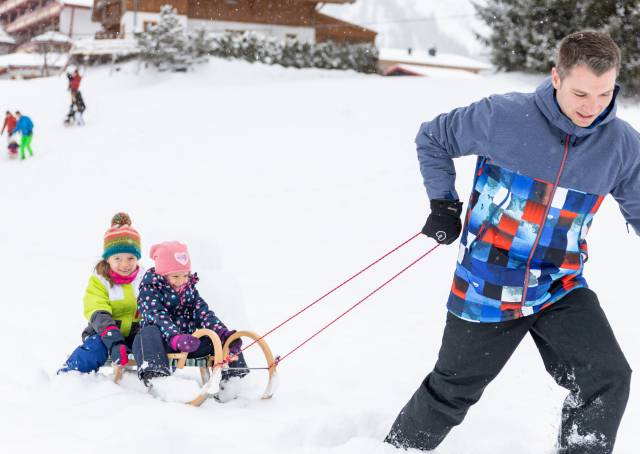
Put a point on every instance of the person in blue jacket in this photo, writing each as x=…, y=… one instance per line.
x=25, y=128
x=546, y=160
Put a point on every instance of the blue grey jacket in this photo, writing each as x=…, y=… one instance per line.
x=539, y=181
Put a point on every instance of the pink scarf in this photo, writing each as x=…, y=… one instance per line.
x=119, y=279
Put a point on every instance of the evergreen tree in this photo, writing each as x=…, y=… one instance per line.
x=165, y=45
x=624, y=28
x=200, y=45
x=525, y=33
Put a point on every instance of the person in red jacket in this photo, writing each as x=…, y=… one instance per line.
x=10, y=125
x=74, y=81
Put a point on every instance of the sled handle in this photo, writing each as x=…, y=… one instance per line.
x=270, y=389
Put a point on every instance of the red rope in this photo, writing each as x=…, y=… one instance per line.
x=331, y=291
x=279, y=359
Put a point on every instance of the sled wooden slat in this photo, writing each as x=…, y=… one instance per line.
x=273, y=376
x=207, y=377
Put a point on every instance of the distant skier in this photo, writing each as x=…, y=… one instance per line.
x=25, y=127
x=77, y=108
x=546, y=160
x=170, y=304
x=110, y=303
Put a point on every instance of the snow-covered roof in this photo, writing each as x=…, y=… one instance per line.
x=23, y=59
x=92, y=46
x=429, y=71
x=5, y=38
x=418, y=57
x=51, y=37
x=82, y=3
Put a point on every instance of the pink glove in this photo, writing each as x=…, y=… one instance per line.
x=185, y=343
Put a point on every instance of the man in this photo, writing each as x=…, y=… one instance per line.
x=25, y=128
x=9, y=124
x=545, y=162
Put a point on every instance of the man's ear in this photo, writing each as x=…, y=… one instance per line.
x=555, y=78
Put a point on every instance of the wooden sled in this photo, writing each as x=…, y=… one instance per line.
x=211, y=367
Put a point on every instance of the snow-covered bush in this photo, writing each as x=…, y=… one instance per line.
x=256, y=47
x=525, y=33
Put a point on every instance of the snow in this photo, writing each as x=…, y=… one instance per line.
x=81, y=3
x=24, y=59
x=51, y=37
x=428, y=71
x=5, y=38
x=283, y=183
x=90, y=46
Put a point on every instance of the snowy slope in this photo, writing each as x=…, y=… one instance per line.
x=283, y=183
x=418, y=24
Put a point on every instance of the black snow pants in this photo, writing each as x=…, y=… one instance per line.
x=150, y=352
x=578, y=348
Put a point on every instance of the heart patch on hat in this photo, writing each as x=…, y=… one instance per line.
x=181, y=257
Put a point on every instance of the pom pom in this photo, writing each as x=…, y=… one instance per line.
x=120, y=219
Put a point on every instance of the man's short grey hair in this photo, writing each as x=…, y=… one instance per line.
x=595, y=50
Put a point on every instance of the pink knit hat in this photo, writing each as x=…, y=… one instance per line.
x=171, y=257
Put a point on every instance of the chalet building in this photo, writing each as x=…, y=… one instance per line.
x=299, y=19
x=24, y=19
x=408, y=62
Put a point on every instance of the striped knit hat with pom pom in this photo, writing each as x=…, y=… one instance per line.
x=121, y=237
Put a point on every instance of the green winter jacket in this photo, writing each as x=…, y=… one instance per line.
x=105, y=305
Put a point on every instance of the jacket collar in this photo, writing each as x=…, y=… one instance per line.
x=546, y=102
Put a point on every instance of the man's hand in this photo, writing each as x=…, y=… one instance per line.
x=443, y=224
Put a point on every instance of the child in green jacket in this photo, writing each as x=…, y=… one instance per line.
x=110, y=301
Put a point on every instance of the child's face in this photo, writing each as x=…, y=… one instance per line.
x=123, y=263
x=177, y=280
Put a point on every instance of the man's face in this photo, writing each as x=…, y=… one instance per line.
x=582, y=95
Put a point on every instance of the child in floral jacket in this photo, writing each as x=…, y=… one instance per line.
x=169, y=301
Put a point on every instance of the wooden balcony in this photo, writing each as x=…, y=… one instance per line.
x=47, y=12
x=10, y=5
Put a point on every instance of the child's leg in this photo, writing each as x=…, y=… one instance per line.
x=88, y=357
x=23, y=141
x=29, y=139
x=150, y=352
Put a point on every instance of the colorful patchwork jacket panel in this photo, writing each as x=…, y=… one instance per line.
x=539, y=181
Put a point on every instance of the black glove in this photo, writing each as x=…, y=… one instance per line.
x=443, y=224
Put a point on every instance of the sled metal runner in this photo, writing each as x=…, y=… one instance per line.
x=211, y=367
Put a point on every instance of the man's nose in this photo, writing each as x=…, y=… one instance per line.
x=591, y=105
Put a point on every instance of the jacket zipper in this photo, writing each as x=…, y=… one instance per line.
x=544, y=220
